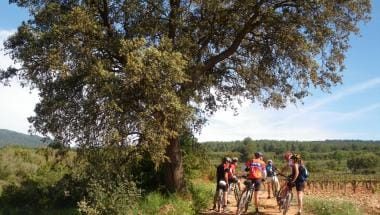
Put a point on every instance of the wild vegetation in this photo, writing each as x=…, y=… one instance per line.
x=49, y=180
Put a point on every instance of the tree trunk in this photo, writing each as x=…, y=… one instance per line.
x=173, y=169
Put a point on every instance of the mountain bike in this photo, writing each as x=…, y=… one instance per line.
x=275, y=184
x=246, y=197
x=234, y=188
x=284, y=196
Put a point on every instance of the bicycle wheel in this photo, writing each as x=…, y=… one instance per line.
x=250, y=192
x=278, y=197
x=275, y=186
x=288, y=199
x=230, y=188
x=236, y=193
x=242, y=202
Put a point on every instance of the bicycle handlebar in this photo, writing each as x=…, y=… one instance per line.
x=280, y=174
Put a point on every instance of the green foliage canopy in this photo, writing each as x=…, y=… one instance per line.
x=364, y=161
x=113, y=71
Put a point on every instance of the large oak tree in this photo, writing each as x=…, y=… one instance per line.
x=144, y=71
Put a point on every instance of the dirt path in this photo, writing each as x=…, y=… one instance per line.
x=267, y=207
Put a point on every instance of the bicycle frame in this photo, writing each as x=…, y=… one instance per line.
x=234, y=187
x=284, y=199
x=275, y=185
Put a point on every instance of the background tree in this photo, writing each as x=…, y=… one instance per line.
x=362, y=162
x=119, y=72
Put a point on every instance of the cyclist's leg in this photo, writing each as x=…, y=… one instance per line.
x=256, y=194
x=225, y=192
x=269, y=183
x=225, y=198
x=238, y=183
x=300, y=186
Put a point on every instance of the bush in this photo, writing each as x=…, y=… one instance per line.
x=202, y=195
x=105, y=197
x=32, y=180
x=319, y=206
x=156, y=203
x=364, y=161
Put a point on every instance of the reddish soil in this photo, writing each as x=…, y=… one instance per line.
x=366, y=198
x=267, y=207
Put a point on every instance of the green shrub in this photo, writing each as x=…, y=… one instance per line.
x=105, y=197
x=211, y=174
x=363, y=161
x=319, y=206
x=156, y=203
x=202, y=195
x=32, y=180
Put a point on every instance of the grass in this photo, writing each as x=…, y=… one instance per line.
x=323, y=206
x=156, y=203
x=202, y=194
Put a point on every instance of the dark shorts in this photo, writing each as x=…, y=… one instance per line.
x=300, y=186
x=257, y=183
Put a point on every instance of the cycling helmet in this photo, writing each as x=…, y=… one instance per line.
x=296, y=157
x=235, y=159
x=258, y=154
x=227, y=159
x=270, y=161
x=287, y=155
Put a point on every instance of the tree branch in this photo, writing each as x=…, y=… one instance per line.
x=173, y=15
x=248, y=26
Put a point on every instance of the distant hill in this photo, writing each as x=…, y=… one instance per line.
x=8, y=137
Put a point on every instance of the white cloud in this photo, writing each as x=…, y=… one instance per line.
x=5, y=61
x=17, y=103
x=258, y=123
x=292, y=123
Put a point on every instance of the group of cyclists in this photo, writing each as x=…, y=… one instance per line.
x=258, y=172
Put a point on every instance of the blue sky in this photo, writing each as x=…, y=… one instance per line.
x=351, y=111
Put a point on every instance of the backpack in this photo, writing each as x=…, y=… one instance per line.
x=303, y=173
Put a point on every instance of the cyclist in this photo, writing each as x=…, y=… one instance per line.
x=256, y=173
x=299, y=184
x=232, y=177
x=294, y=162
x=270, y=168
x=222, y=175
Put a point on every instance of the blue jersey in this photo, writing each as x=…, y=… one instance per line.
x=270, y=170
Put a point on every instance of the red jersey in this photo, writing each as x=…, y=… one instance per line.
x=256, y=169
x=232, y=170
